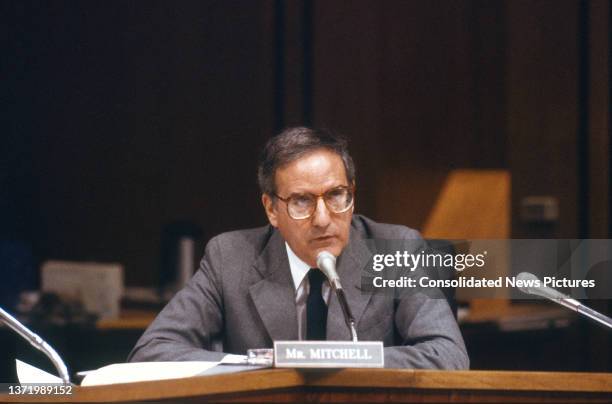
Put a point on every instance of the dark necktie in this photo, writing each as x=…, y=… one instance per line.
x=316, y=309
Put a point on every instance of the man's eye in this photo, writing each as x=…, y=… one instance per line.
x=302, y=200
x=336, y=195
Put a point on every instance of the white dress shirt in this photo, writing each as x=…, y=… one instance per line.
x=299, y=270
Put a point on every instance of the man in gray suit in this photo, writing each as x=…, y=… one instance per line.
x=260, y=285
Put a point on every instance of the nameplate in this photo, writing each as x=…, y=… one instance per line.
x=328, y=354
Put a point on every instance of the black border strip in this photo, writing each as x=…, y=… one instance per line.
x=279, y=65
x=609, y=63
x=308, y=63
x=583, y=149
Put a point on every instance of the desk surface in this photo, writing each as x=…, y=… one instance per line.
x=129, y=319
x=356, y=385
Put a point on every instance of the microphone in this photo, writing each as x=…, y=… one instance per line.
x=533, y=286
x=37, y=343
x=326, y=262
x=529, y=287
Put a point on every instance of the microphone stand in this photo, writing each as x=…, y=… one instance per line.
x=346, y=310
x=37, y=343
x=586, y=311
x=326, y=262
x=562, y=299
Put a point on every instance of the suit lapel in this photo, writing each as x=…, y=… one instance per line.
x=273, y=292
x=351, y=263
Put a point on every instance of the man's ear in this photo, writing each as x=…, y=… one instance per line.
x=270, y=208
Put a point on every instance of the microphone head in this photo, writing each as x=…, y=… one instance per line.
x=528, y=279
x=326, y=262
x=533, y=286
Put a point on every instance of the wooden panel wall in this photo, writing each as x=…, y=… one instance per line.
x=599, y=14
x=122, y=117
x=129, y=115
x=418, y=87
x=543, y=110
x=600, y=109
x=558, y=125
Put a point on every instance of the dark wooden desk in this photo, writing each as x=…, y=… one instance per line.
x=356, y=385
x=129, y=319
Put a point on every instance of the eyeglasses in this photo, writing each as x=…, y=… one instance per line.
x=303, y=206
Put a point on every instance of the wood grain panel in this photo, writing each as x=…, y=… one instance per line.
x=542, y=88
x=132, y=116
x=418, y=86
x=347, y=385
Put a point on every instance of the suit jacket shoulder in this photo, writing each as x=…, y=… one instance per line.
x=250, y=242
x=368, y=228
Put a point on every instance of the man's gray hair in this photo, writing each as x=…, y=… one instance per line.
x=294, y=143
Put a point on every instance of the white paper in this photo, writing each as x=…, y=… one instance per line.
x=29, y=374
x=133, y=372
x=231, y=359
x=145, y=371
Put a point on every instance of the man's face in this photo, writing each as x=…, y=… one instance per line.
x=315, y=173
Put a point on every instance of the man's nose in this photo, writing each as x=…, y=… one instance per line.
x=321, y=216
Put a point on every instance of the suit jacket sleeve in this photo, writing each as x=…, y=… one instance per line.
x=430, y=337
x=427, y=333
x=187, y=326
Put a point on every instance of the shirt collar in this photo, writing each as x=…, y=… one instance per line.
x=298, y=268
